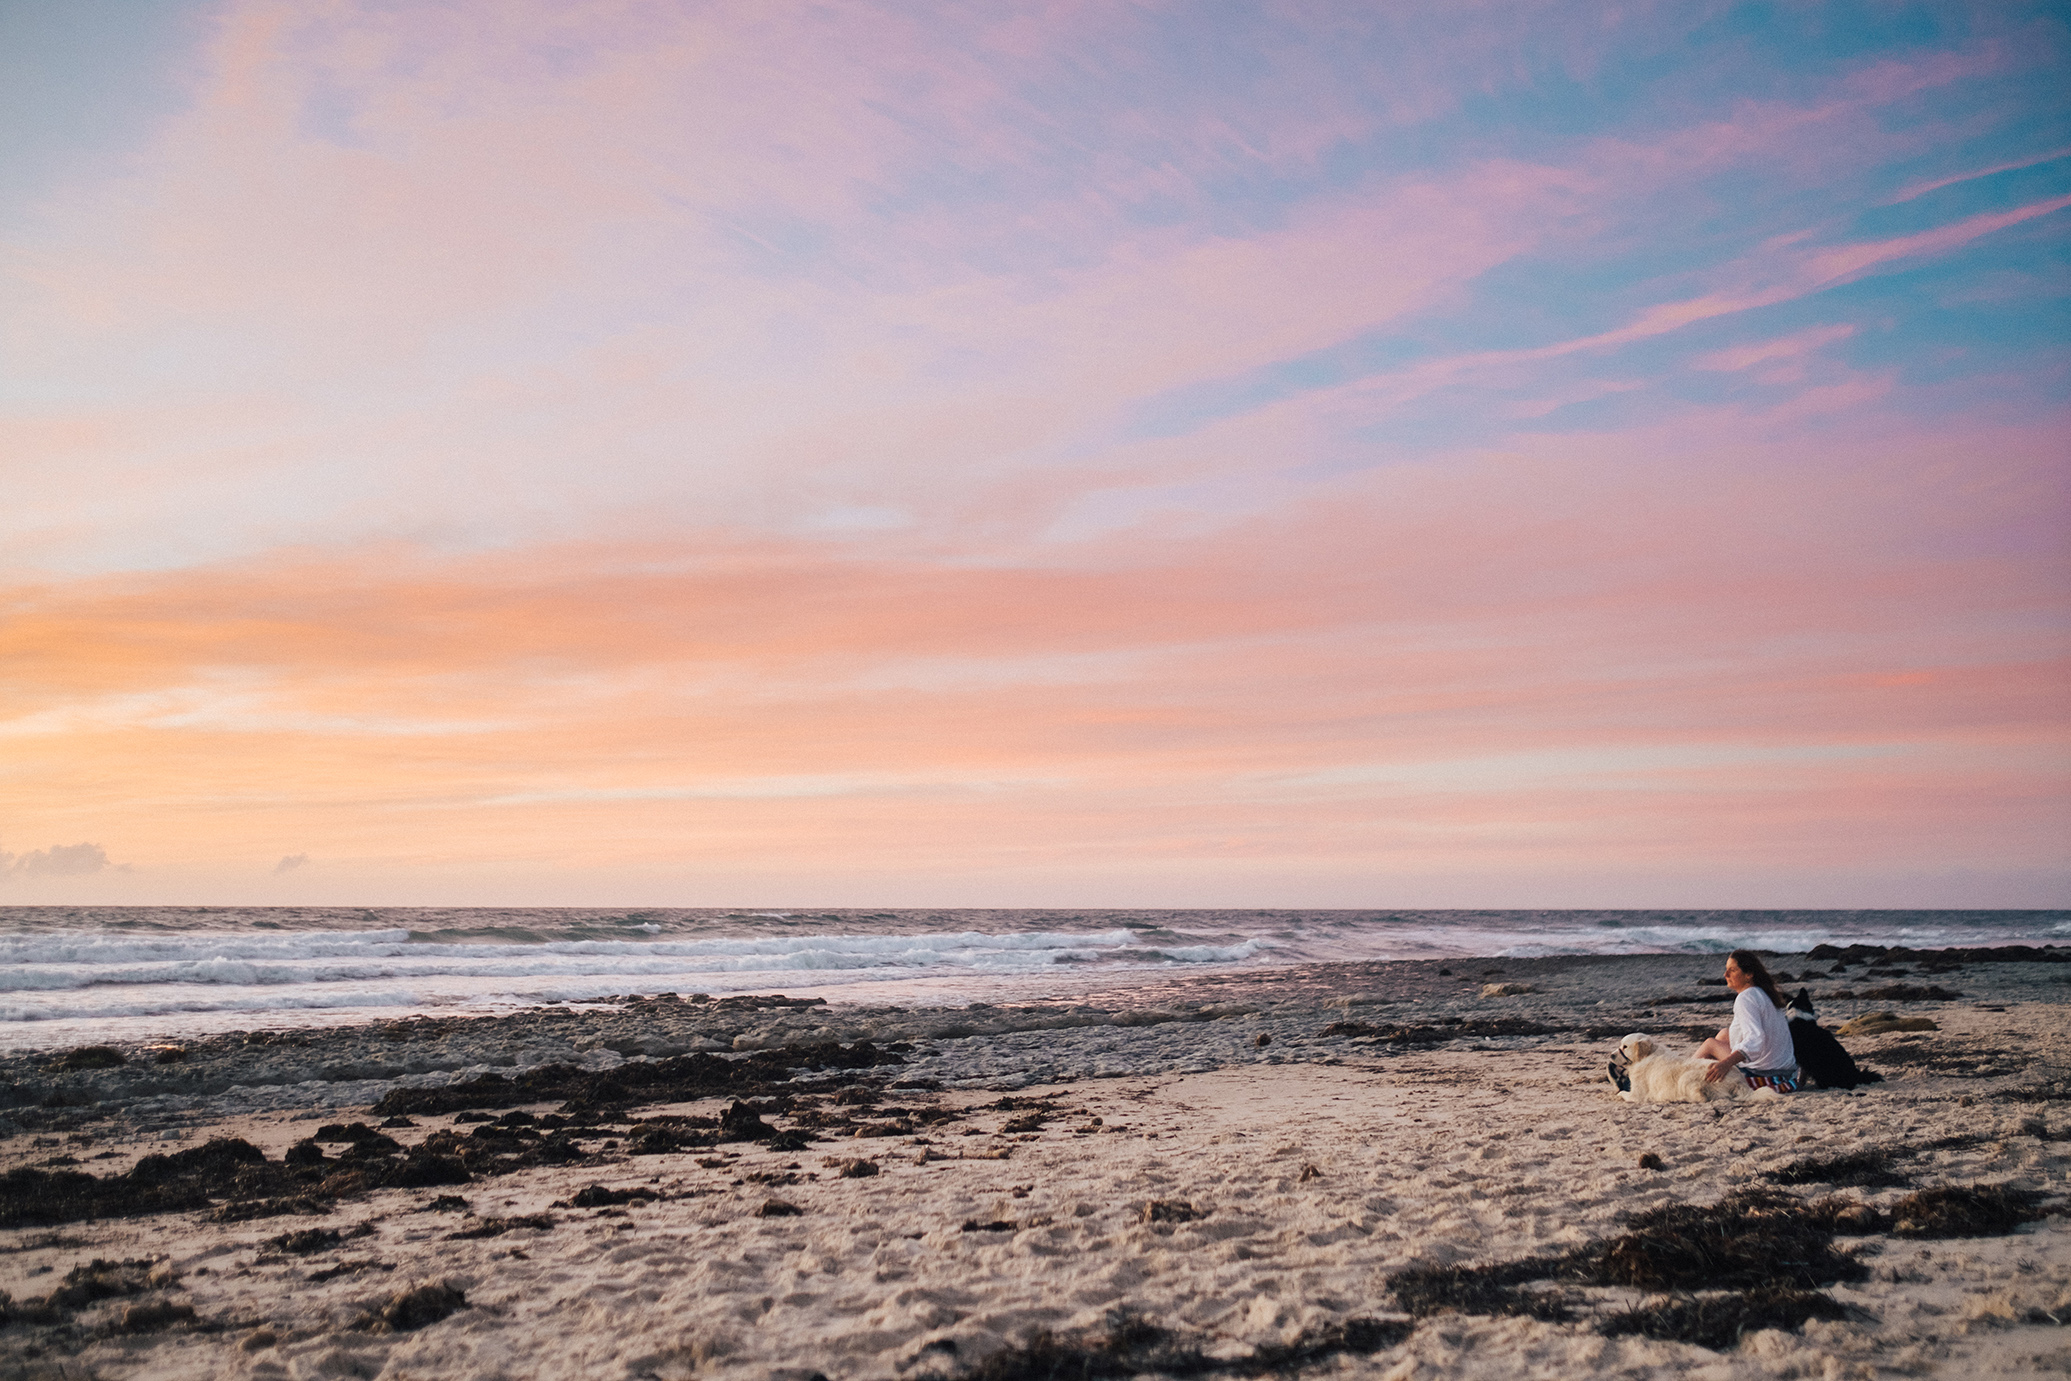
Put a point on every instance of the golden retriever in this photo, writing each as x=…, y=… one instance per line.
x=1659, y=1077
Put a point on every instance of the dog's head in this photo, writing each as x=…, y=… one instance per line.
x=1635, y=1048
x=1800, y=1007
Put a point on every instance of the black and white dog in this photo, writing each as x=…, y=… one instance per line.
x=1821, y=1060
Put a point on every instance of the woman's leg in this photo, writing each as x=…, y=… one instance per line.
x=1718, y=1047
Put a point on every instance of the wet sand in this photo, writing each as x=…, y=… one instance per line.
x=1227, y=1175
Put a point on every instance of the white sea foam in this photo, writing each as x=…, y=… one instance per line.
x=128, y=971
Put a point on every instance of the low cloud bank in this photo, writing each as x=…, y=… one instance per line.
x=59, y=860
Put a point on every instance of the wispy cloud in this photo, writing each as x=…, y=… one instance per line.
x=1921, y=189
x=1045, y=436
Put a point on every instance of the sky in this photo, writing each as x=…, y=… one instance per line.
x=1235, y=453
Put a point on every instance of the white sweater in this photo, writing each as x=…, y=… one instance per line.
x=1761, y=1032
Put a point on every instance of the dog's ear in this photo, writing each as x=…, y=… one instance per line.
x=1639, y=1047
x=1801, y=1006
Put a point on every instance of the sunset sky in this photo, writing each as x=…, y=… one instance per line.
x=1035, y=454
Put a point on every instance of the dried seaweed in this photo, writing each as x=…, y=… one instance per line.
x=1867, y=1169
x=682, y=1079
x=1981, y=1210
x=1492, y=1289
x=1750, y=1239
x=1130, y=1345
x=1719, y=1321
x=1754, y=1244
x=1439, y=1032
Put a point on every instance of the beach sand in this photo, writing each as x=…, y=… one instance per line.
x=1223, y=1176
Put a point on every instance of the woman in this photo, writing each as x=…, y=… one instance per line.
x=1759, y=1040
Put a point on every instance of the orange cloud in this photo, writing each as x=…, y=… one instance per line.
x=1607, y=651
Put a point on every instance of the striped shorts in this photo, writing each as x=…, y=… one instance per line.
x=1782, y=1080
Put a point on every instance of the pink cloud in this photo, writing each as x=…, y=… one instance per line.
x=1782, y=348
x=1663, y=649
x=1920, y=189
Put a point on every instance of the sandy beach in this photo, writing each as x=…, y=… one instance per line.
x=1299, y=1170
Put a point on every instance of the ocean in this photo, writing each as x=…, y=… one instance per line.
x=82, y=975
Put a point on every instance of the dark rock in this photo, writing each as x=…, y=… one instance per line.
x=1908, y=992
x=2003, y=954
x=777, y=1208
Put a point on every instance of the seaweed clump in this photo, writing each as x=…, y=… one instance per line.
x=1758, y=1258
x=682, y=1079
x=1750, y=1240
x=86, y=1057
x=1457, y=1028
x=1719, y=1321
x=1129, y=1344
x=225, y=1169
x=1980, y=1210
x=30, y=1197
x=409, y=1310
x=1870, y=1169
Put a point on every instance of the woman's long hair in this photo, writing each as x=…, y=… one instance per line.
x=1747, y=963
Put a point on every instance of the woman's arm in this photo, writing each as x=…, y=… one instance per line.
x=1719, y=1067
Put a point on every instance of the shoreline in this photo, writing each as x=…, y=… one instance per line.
x=1313, y=1133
